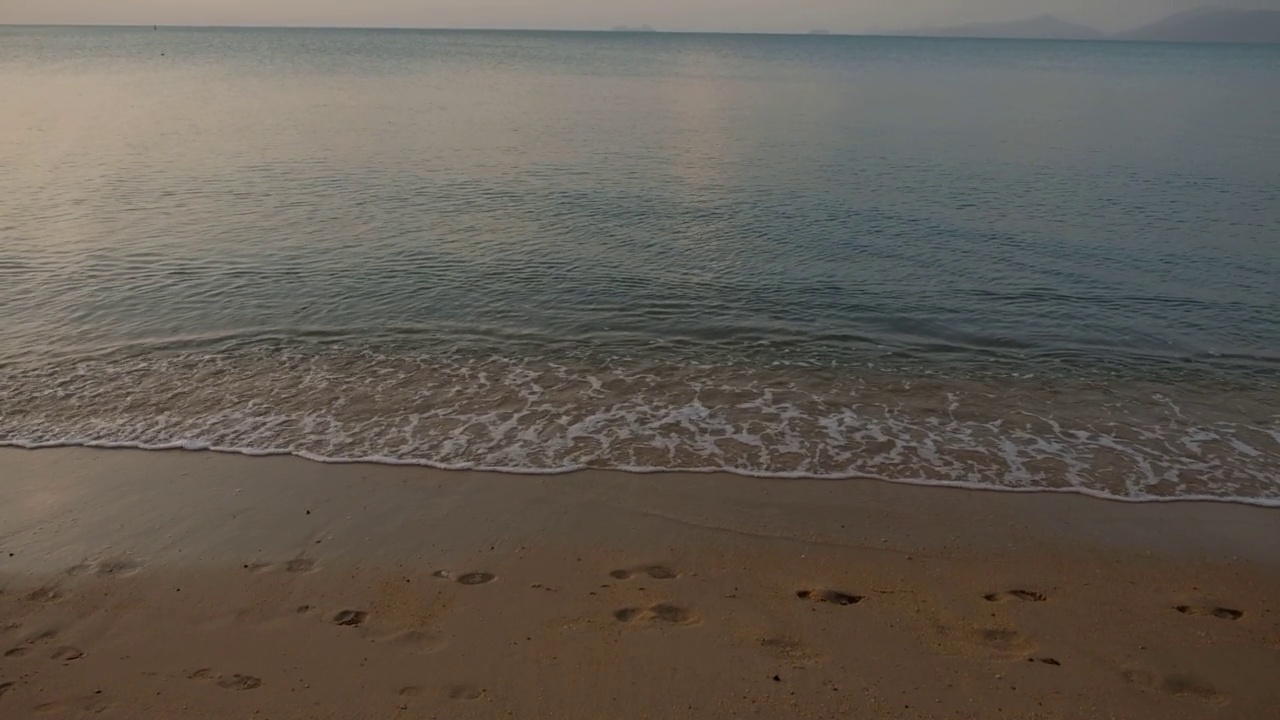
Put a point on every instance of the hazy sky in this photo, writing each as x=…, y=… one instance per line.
x=743, y=15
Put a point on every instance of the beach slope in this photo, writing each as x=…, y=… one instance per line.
x=202, y=585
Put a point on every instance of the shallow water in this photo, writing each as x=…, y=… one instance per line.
x=1029, y=265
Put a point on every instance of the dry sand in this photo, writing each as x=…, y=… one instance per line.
x=198, y=585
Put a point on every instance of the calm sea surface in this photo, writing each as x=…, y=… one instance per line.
x=1027, y=265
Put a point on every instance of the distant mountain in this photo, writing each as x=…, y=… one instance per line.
x=819, y=31
x=638, y=28
x=1206, y=24
x=1044, y=27
x=1209, y=24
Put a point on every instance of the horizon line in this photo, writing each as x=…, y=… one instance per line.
x=618, y=30
x=638, y=30
x=915, y=34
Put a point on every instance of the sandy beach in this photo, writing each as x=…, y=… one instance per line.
x=861, y=377
x=201, y=585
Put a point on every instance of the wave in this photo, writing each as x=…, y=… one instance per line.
x=1124, y=440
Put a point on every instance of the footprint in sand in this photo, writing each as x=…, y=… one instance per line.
x=78, y=707
x=414, y=641
x=106, y=567
x=476, y=578
x=787, y=648
x=238, y=682
x=781, y=644
x=657, y=572
x=1175, y=684
x=235, y=681
x=117, y=567
x=463, y=691
x=1015, y=596
x=26, y=646
x=996, y=641
x=350, y=618
x=67, y=653
x=7, y=686
x=1221, y=613
x=409, y=641
x=834, y=597
x=1004, y=641
x=661, y=612
x=46, y=594
x=300, y=565
x=296, y=565
x=471, y=578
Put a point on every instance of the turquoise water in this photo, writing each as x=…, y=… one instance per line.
x=1026, y=265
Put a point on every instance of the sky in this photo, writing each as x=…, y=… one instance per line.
x=713, y=15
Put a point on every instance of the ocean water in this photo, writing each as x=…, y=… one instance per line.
x=1020, y=265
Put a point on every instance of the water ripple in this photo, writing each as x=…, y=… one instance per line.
x=1023, y=265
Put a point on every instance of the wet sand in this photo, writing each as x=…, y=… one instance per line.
x=175, y=585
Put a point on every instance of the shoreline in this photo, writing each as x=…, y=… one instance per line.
x=203, y=584
x=1023, y=506
x=386, y=461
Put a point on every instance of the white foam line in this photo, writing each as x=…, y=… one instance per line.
x=388, y=460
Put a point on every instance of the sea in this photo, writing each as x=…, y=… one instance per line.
x=1016, y=265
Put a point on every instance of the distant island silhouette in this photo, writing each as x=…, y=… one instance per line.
x=1043, y=27
x=637, y=28
x=1206, y=24
x=1211, y=24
